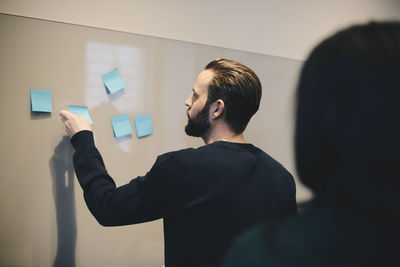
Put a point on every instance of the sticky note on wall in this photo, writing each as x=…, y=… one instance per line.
x=81, y=110
x=113, y=81
x=143, y=125
x=41, y=100
x=121, y=125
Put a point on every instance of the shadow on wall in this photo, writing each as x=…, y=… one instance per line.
x=62, y=173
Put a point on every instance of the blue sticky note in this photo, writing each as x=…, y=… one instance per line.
x=81, y=110
x=113, y=81
x=121, y=125
x=144, y=125
x=41, y=100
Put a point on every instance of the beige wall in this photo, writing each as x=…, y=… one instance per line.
x=284, y=28
x=44, y=219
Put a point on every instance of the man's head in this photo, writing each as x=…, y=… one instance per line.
x=199, y=107
x=232, y=90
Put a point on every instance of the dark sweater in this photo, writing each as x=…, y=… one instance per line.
x=319, y=237
x=206, y=196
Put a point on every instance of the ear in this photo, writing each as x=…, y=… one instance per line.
x=218, y=109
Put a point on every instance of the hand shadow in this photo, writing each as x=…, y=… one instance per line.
x=62, y=173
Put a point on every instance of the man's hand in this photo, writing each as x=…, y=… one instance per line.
x=74, y=123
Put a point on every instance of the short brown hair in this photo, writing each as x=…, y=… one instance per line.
x=240, y=89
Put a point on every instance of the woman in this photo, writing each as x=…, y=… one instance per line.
x=347, y=150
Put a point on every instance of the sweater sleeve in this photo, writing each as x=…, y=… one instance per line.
x=144, y=198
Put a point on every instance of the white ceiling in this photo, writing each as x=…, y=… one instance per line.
x=283, y=28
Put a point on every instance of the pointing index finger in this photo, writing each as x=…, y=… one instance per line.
x=65, y=114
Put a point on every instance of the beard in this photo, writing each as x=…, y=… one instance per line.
x=199, y=125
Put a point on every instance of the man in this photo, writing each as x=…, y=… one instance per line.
x=207, y=195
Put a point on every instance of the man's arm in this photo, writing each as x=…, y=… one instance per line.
x=143, y=199
x=110, y=205
x=98, y=187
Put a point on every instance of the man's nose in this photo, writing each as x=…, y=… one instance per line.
x=188, y=101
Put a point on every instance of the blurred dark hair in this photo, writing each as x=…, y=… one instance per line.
x=347, y=133
x=240, y=89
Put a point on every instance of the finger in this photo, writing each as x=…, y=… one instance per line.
x=65, y=114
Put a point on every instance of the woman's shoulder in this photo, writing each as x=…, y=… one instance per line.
x=284, y=242
x=248, y=249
